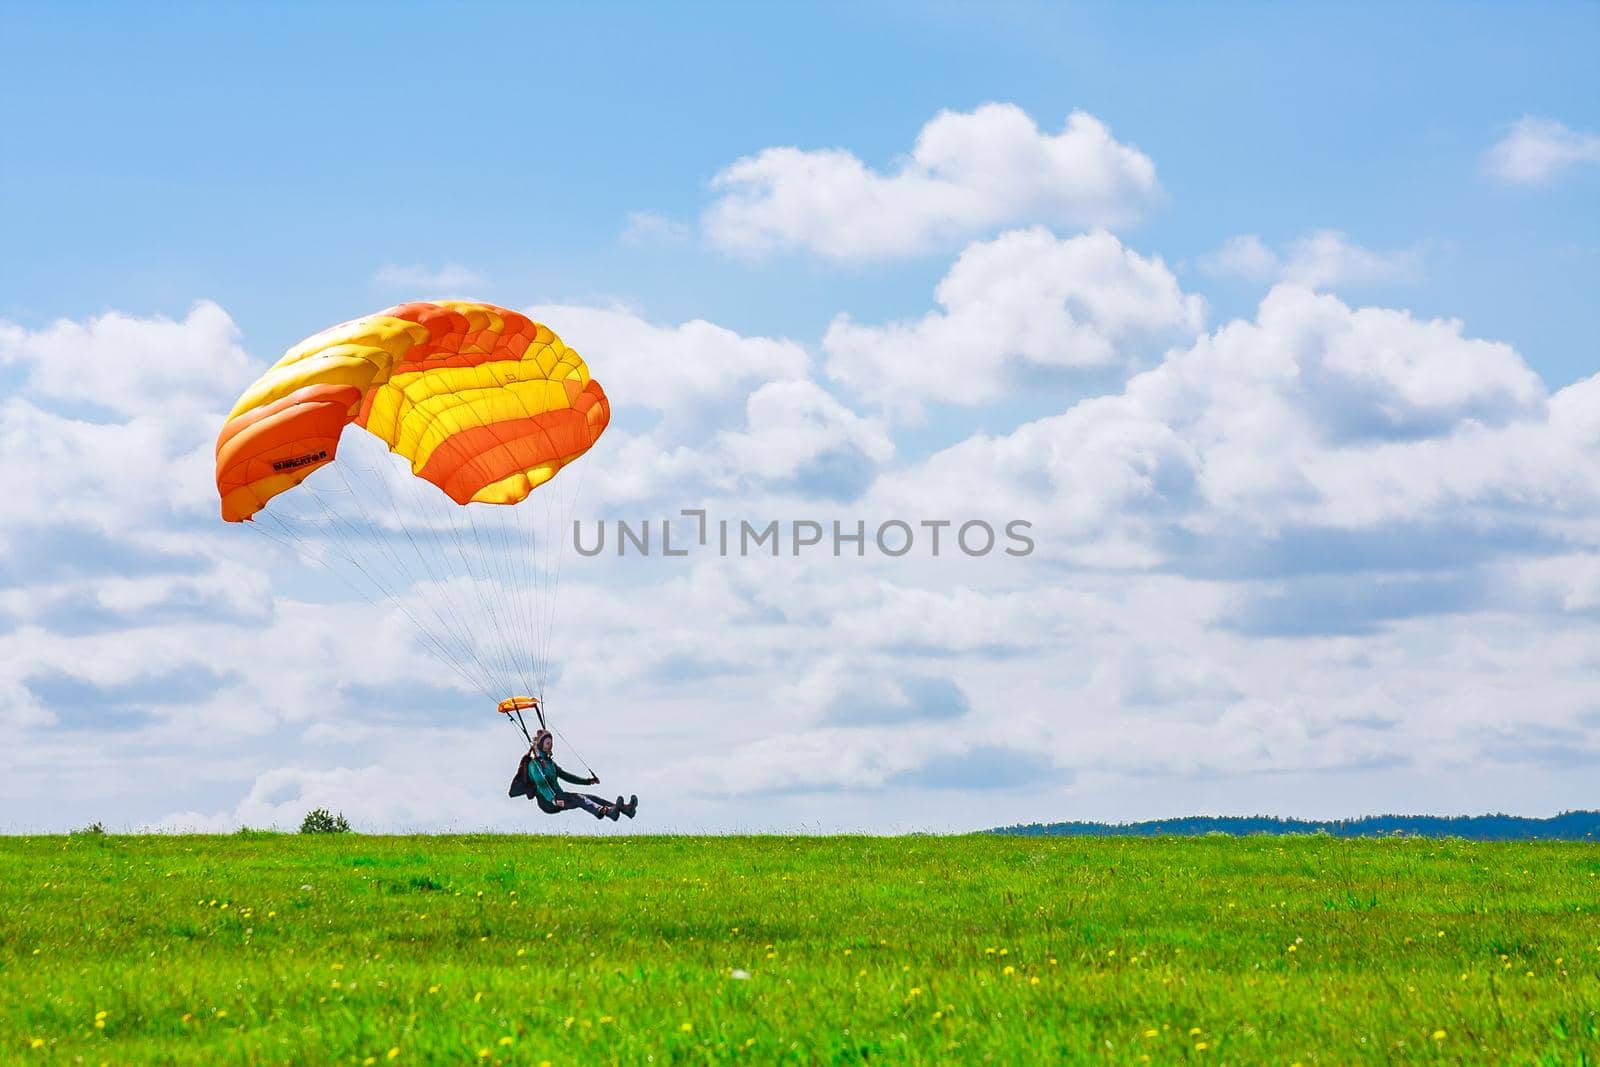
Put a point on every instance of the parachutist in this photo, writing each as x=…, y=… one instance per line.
x=539, y=779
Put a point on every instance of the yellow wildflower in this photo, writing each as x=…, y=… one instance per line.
x=686, y=1027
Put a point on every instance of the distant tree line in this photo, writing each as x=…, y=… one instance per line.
x=1568, y=826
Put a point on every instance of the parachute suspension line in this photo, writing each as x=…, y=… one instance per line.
x=516, y=597
x=559, y=551
x=341, y=527
x=506, y=588
x=442, y=588
x=524, y=727
x=385, y=546
x=288, y=539
x=551, y=550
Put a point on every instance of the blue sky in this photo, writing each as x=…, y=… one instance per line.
x=273, y=155
x=1278, y=321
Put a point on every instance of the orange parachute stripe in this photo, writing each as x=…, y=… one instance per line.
x=485, y=403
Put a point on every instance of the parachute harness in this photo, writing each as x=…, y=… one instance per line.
x=513, y=707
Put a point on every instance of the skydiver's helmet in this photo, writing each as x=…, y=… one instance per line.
x=540, y=738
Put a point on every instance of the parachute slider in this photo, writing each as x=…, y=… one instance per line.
x=511, y=704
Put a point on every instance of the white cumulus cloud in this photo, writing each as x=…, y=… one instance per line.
x=1323, y=259
x=1024, y=298
x=1536, y=151
x=968, y=173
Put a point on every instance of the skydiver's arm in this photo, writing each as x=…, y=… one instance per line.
x=565, y=777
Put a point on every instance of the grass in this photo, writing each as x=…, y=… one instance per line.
x=377, y=950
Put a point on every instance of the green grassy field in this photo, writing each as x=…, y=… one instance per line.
x=377, y=950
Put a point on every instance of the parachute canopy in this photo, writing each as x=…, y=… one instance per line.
x=465, y=407
x=484, y=403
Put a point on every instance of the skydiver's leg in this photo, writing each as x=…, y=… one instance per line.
x=599, y=807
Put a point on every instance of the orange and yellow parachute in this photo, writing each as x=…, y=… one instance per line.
x=484, y=403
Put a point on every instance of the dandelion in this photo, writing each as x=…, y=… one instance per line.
x=1052, y=961
x=222, y=1013
x=749, y=1041
x=483, y=1054
x=392, y=1053
x=477, y=998
x=369, y=1061
x=37, y=1042
x=938, y=1015
x=1034, y=980
x=1294, y=948
x=1152, y=1033
x=916, y=991
x=607, y=1019
x=506, y=1040
x=847, y=952
x=687, y=1027
x=1201, y=1046
x=433, y=989
x=1009, y=970
x=1195, y=1031
x=1438, y=1035
x=522, y=952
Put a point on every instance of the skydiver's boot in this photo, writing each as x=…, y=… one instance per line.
x=613, y=809
x=630, y=807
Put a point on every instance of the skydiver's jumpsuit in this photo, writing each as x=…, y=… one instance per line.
x=545, y=776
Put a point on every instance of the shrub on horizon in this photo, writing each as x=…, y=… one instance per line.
x=322, y=821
